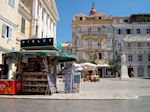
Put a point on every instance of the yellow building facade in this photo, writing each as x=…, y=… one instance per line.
x=36, y=19
x=8, y=25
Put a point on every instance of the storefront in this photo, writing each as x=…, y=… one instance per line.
x=36, y=67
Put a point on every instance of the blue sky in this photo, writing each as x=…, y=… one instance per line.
x=69, y=8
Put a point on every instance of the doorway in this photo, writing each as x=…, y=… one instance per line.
x=130, y=71
x=100, y=73
x=140, y=71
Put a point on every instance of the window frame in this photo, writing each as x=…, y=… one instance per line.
x=99, y=43
x=79, y=30
x=140, y=58
x=148, y=30
x=138, y=31
x=11, y=3
x=90, y=57
x=90, y=43
x=7, y=31
x=99, y=30
x=130, y=58
x=23, y=25
x=100, y=55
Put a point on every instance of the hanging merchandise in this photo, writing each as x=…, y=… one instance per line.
x=25, y=59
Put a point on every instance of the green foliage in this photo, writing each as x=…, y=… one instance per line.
x=94, y=57
x=14, y=75
x=115, y=64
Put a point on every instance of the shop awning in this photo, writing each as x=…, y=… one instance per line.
x=62, y=57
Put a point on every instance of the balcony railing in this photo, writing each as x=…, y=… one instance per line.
x=93, y=33
x=137, y=48
x=24, y=6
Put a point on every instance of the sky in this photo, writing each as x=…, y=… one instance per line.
x=69, y=8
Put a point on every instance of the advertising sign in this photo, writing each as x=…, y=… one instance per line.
x=76, y=84
x=51, y=84
x=68, y=83
x=10, y=87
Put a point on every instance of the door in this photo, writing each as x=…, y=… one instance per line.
x=140, y=71
x=100, y=72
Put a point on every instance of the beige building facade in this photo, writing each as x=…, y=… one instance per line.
x=67, y=47
x=36, y=19
x=8, y=25
x=92, y=39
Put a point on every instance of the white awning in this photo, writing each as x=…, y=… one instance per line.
x=102, y=65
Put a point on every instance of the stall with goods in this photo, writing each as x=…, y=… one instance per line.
x=36, y=66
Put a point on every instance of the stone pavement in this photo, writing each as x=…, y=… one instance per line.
x=107, y=88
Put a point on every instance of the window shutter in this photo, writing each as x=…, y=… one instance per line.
x=13, y=3
x=10, y=33
x=4, y=31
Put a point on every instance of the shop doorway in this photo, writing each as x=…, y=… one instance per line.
x=130, y=71
x=100, y=72
x=140, y=71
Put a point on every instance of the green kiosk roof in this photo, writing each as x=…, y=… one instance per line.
x=62, y=57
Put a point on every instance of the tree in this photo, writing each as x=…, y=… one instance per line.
x=115, y=65
x=94, y=57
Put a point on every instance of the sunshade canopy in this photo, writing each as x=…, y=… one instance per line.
x=62, y=57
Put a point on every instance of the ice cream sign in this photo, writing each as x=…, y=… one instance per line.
x=2, y=86
x=10, y=86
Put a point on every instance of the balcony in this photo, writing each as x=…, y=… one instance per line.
x=86, y=33
x=137, y=48
x=27, y=9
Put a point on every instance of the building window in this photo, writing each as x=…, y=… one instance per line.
x=99, y=43
x=81, y=18
x=23, y=25
x=119, y=46
x=148, y=31
x=79, y=42
x=118, y=31
x=50, y=25
x=42, y=14
x=90, y=56
x=47, y=19
x=80, y=56
x=148, y=44
x=109, y=55
x=38, y=9
x=99, y=18
x=128, y=31
x=100, y=56
x=149, y=58
x=140, y=57
x=138, y=31
x=108, y=29
x=90, y=43
x=79, y=30
x=129, y=45
x=139, y=44
x=42, y=35
x=129, y=57
x=89, y=29
x=7, y=32
x=12, y=2
x=109, y=42
x=99, y=30
x=36, y=30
